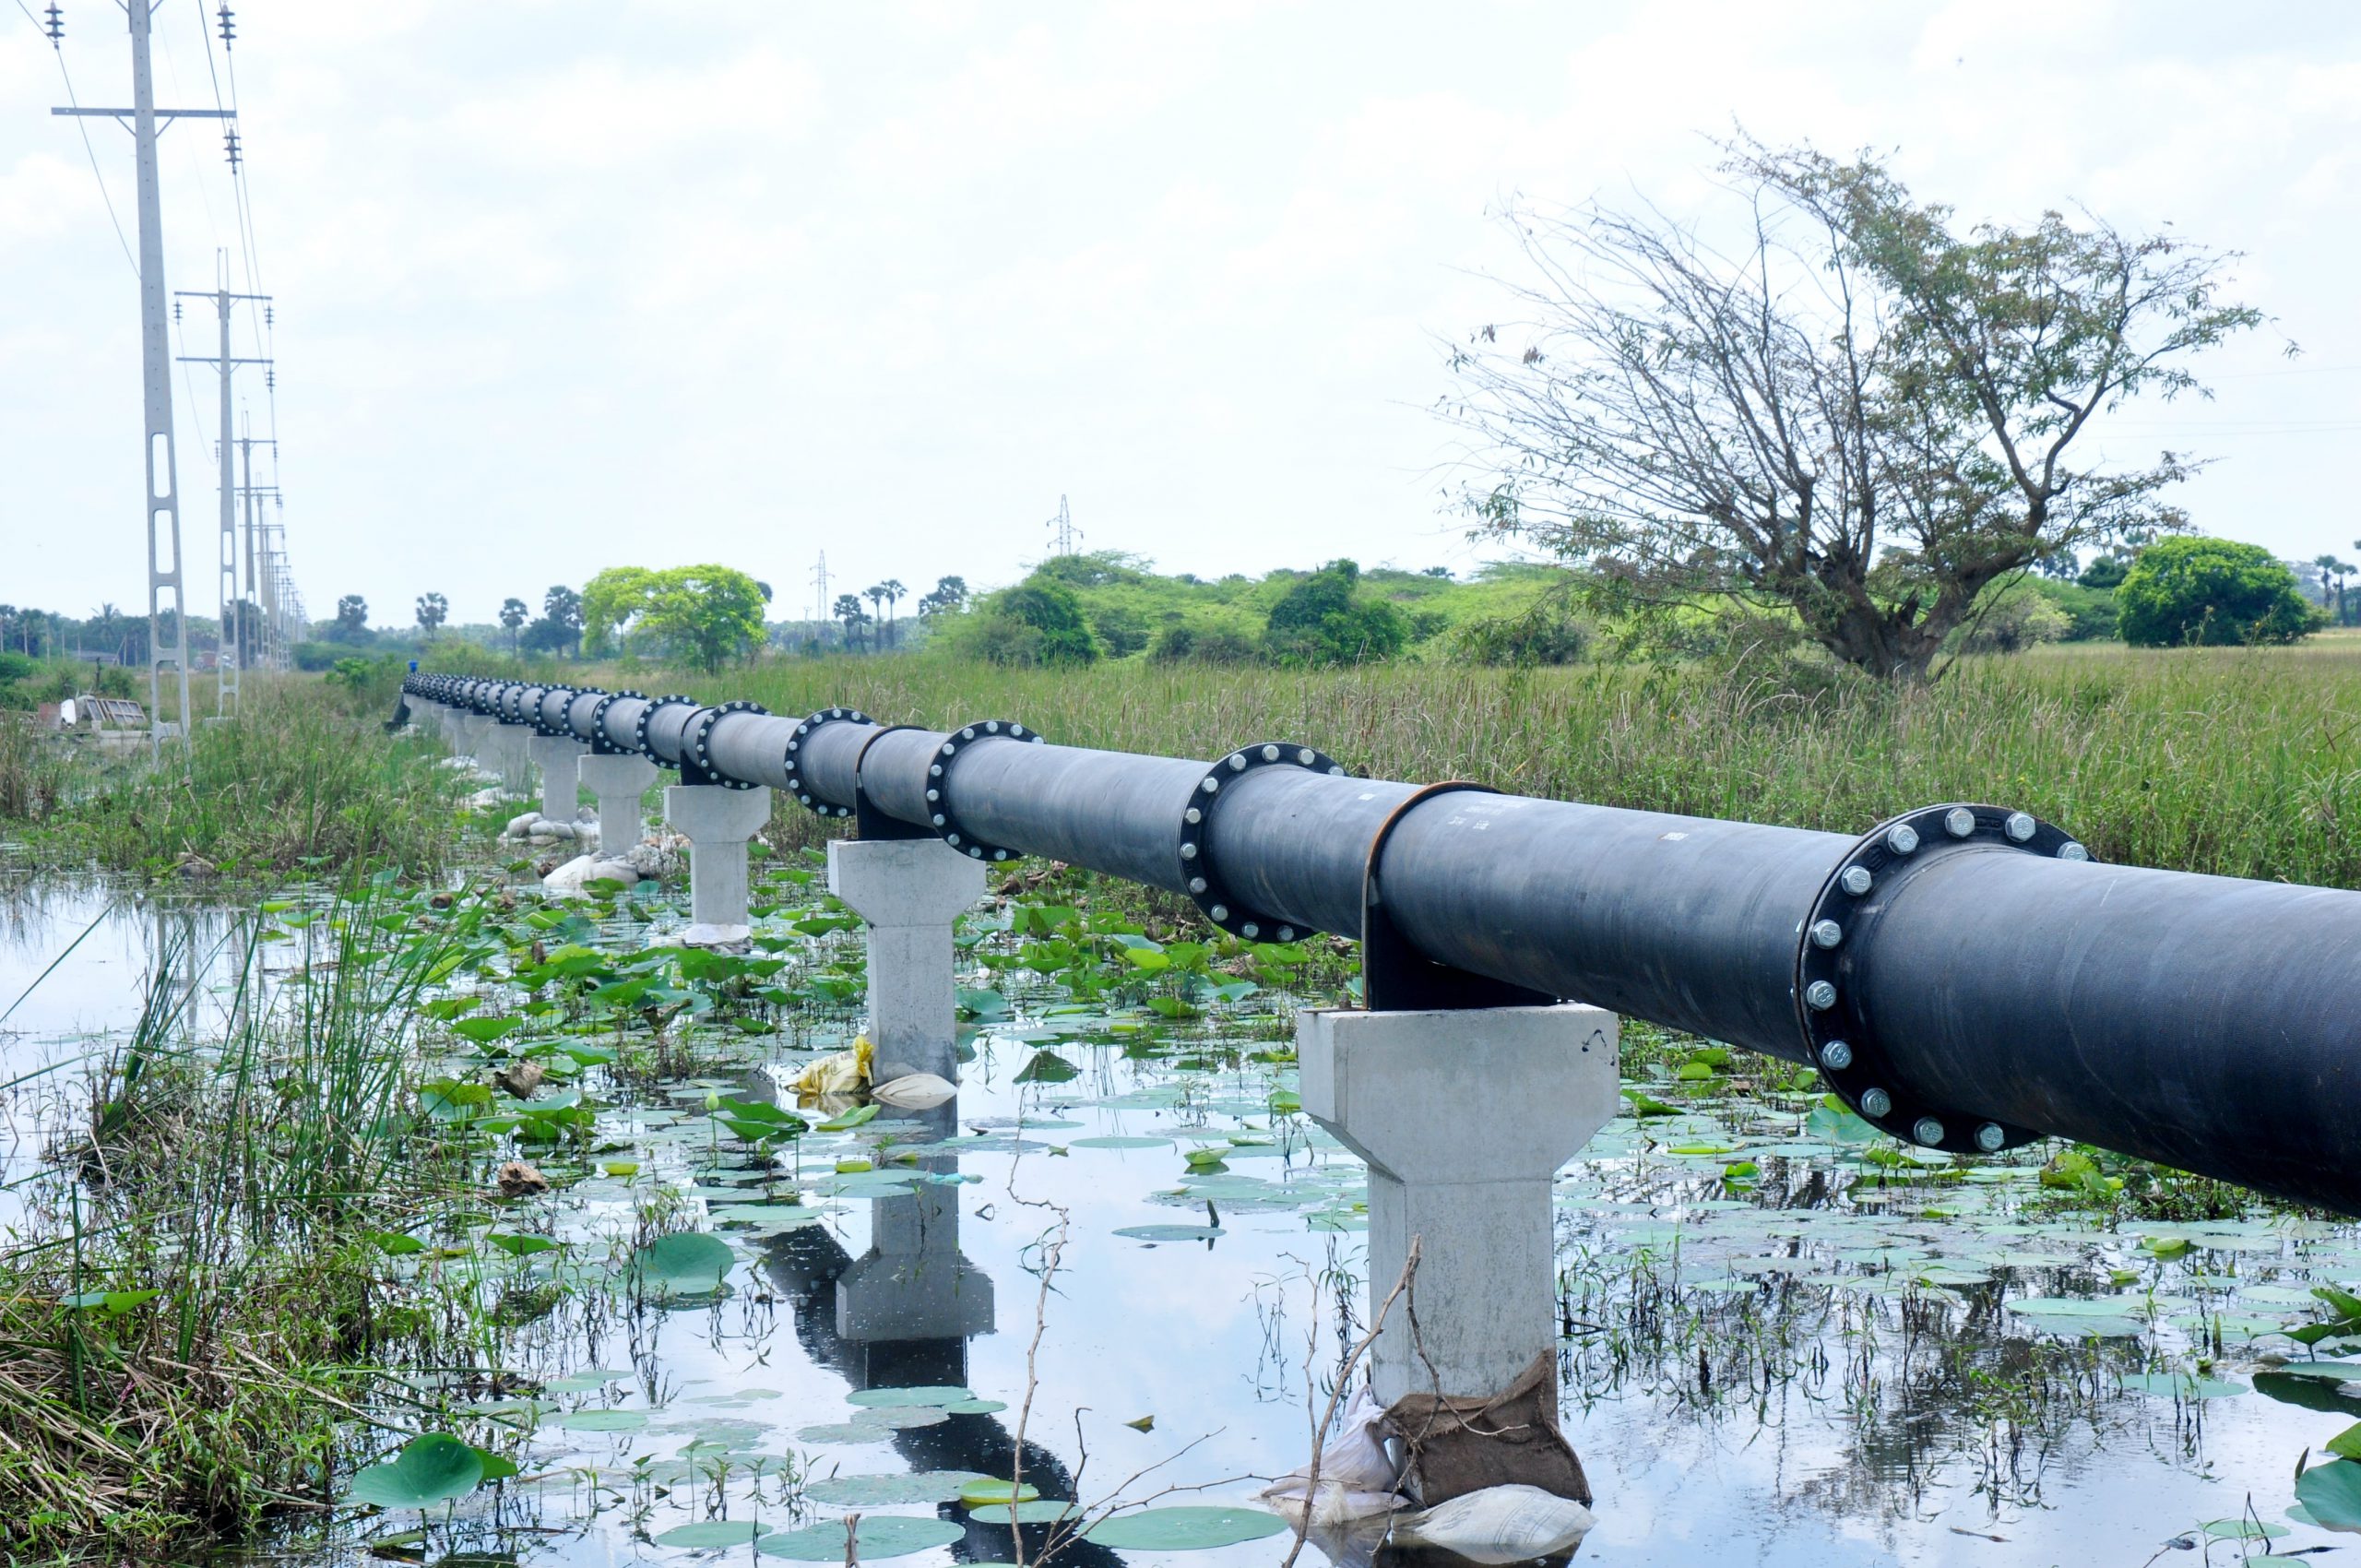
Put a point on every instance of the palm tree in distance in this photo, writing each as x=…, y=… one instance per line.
x=894, y=591
x=512, y=615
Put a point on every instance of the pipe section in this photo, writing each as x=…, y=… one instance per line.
x=1984, y=986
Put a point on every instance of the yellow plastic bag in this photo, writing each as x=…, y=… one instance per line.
x=840, y=1074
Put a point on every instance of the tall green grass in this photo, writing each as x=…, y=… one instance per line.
x=181, y=1312
x=301, y=780
x=2242, y=763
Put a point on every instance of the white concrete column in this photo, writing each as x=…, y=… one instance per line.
x=1464, y=1119
x=717, y=821
x=467, y=732
x=502, y=749
x=618, y=781
x=910, y=890
x=558, y=758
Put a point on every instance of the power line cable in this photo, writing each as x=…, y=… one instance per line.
x=83, y=126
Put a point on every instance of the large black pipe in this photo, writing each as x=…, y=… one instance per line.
x=1984, y=985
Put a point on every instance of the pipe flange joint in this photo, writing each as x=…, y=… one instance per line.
x=508, y=702
x=1839, y=931
x=696, y=746
x=959, y=742
x=800, y=787
x=655, y=705
x=600, y=744
x=1199, y=874
x=542, y=705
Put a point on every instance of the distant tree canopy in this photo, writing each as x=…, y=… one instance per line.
x=1861, y=413
x=2186, y=592
x=1037, y=621
x=705, y=615
x=1322, y=621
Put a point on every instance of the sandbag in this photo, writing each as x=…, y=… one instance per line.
x=840, y=1074
x=1357, y=1474
x=914, y=1091
x=1498, y=1523
x=1459, y=1444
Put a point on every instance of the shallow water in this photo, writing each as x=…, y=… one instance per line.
x=1847, y=1362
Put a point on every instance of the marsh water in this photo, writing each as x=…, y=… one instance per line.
x=1784, y=1343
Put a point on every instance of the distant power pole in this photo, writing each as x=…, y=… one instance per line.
x=228, y=664
x=820, y=606
x=167, y=608
x=254, y=619
x=1061, y=527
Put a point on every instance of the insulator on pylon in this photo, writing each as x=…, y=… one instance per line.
x=228, y=32
x=267, y=318
x=230, y=139
x=176, y=310
x=55, y=25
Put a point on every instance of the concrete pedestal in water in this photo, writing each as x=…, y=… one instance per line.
x=618, y=782
x=716, y=821
x=557, y=757
x=910, y=890
x=1464, y=1119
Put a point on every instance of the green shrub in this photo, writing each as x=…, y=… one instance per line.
x=2211, y=591
x=1037, y=621
x=1321, y=620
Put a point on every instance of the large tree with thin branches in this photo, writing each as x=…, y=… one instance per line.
x=1840, y=404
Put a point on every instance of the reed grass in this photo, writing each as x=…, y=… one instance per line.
x=181, y=1315
x=2231, y=761
x=299, y=781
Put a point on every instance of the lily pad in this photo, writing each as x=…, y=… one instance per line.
x=431, y=1468
x=988, y=1490
x=876, y=1536
x=885, y=1399
x=847, y=1431
x=1171, y=1232
x=690, y=1264
x=2180, y=1385
x=602, y=1420
x=1118, y=1142
x=2331, y=1493
x=1186, y=1529
x=875, y=1491
x=713, y=1532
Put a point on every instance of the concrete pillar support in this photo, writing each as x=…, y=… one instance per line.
x=910, y=890
x=618, y=782
x=1464, y=1119
x=502, y=750
x=717, y=822
x=558, y=758
x=467, y=733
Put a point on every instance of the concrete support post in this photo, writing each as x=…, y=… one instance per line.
x=504, y=753
x=618, y=782
x=467, y=733
x=910, y=890
x=1531, y=1085
x=558, y=758
x=717, y=822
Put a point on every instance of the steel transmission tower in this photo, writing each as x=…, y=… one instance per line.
x=1062, y=527
x=821, y=609
x=232, y=658
x=167, y=606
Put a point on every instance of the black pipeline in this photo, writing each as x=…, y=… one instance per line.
x=1964, y=975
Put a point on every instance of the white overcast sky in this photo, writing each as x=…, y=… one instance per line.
x=566, y=286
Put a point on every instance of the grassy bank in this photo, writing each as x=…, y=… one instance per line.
x=300, y=780
x=2228, y=761
x=185, y=1299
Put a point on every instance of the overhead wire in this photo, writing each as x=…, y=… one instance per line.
x=81, y=123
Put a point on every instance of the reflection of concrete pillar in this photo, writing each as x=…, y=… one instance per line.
x=1464, y=1117
x=910, y=890
x=913, y=1289
x=557, y=757
x=716, y=821
x=618, y=782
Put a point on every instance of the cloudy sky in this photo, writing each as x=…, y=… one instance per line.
x=566, y=286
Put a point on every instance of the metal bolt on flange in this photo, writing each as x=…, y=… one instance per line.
x=1928, y=1131
x=1856, y=881
x=1876, y=1104
x=1826, y=933
x=1836, y=1055
x=1820, y=995
x=1991, y=1138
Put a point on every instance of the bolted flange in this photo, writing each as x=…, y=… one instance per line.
x=796, y=785
x=1199, y=874
x=696, y=746
x=541, y=707
x=1838, y=933
x=959, y=742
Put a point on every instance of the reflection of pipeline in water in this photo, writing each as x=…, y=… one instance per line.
x=899, y=1316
